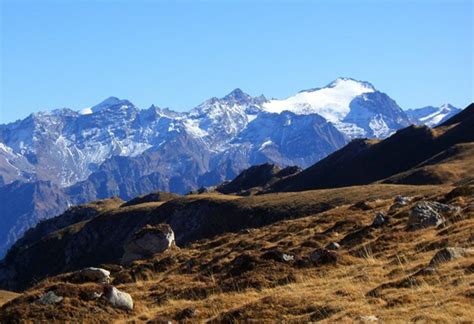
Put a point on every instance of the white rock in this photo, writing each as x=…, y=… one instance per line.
x=369, y=318
x=333, y=246
x=119, y=298
x=50, y=298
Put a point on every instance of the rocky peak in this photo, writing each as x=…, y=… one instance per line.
x=112, y=103
x=239, y=97
x=342, y=80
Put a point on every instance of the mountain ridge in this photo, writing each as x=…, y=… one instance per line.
x=119, y=149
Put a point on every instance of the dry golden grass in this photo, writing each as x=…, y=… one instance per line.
x=452, y=167
x=376, y=272
x=6, y=296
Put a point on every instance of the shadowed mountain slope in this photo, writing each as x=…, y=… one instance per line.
x=454, y=165
x=366, y=161
x=257, y=177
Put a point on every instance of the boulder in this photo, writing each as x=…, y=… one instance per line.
x=446, y=255
x=333, y=246
x=148, y=241
x=323, y=256
x=379, y=220
x=400, y=201
x=361, y=205
x=429, y=213
x=278, y=256
x=92, y=274
x=118, y=299
x=50, y=298
x=368, y=318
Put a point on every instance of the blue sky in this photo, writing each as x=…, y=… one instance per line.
x=177, y=54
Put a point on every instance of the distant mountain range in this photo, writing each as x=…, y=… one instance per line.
x=432, y=116
x=52, y=160
x=435, y=160
x=414, y=155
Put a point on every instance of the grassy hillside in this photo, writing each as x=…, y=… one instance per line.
x=239, y=275
x=100, y=239
x=453, y=166
x=6, y=296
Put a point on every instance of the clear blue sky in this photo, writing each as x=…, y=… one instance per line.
x=177, y=54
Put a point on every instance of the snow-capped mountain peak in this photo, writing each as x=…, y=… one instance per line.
x=431, y=115
x=347, y=80
x=331, y=102
x=446, y=107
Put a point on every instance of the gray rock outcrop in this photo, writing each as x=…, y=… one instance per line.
x=118, y=298
x=429, y=213
x=50, y=298
x=447, y=254
x=148, y=241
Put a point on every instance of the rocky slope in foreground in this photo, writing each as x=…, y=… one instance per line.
x=368, y=254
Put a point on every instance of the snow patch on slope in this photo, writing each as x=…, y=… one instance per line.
x=192, y=127
x=379, y=126
x=436, y=117
x=350, y=130
x=85, y=111
x=331, y=102
x=265, y=144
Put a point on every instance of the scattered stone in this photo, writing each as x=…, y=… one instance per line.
x=400, y=201
x=50, y=298
x=92, y=274
x=277, y=256
x=247, y=231
x=188, y=312
x=403, y=200
x=118, y=298
x=323, y=256
x=203, y=190
x=361, y=205
x=426, y=271
x=243, y=263
x=113, y=268
x=90, y=295
x=333, y=246
x=446, y=255
x=148, y=241
x=96, y=295
x=356, y=237
x=429, y=213
x=379, y=220
x=369, y=318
